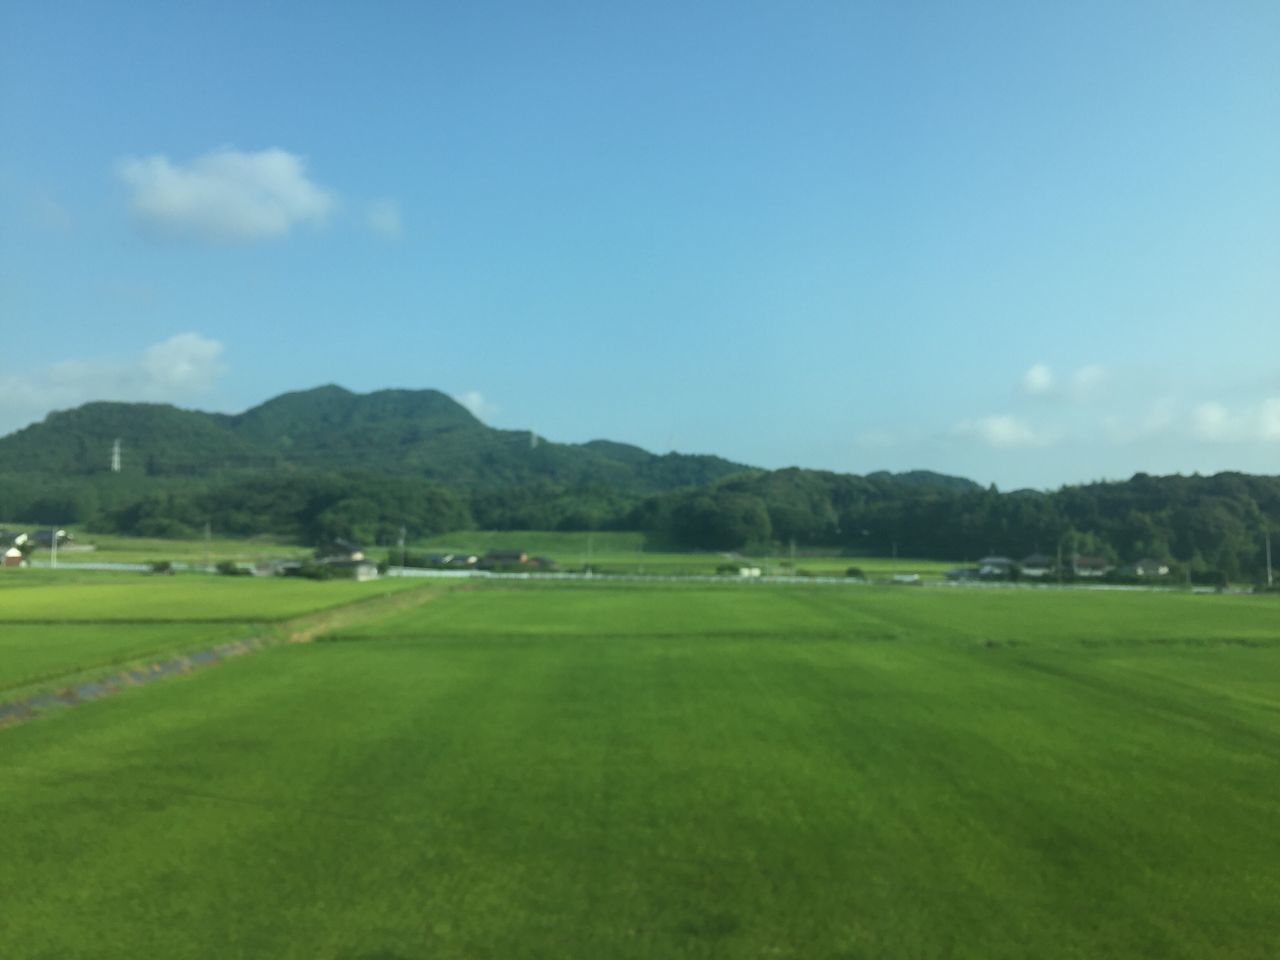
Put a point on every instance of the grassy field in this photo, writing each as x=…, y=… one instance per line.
x=117, y=549
x=622, y=552
x=34, y=655
x=56, y=625
x=28, y=596
x=699, y=771
x=606, y=551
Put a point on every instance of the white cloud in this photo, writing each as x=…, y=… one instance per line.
x=1085, y=383
x=383, y=218
x=187, y=362
x=1038, y=380
x=1255, y=422
x=172, y=370
x=1002, y=431
x=226, y=195
x=475, y=401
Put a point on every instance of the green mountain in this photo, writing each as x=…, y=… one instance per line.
x=155, y=440
x=420, y=433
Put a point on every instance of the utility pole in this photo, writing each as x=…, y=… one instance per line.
x=1270, y=582
x=115, y=456
x=53, y=545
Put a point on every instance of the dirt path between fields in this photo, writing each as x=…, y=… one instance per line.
x=95, y=684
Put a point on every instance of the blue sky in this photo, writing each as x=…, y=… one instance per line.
x=1029, y=243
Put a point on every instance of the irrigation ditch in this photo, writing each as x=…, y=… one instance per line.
x=69, y=690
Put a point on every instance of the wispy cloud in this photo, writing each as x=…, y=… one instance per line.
x=1088, y=381
x=1038, y=380
x=478, y=404
x=1002, y=431
x=183, y=366
x=1257, y=422
x=1155, y=418
x=225, y=196
x=1084, y=383
x=383, y=218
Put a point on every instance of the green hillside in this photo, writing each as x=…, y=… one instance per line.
x=155, y=439
x=328, y=462
x=421, y=433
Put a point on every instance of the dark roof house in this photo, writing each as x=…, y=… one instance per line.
x=1037, y=565
x=339, y=549
x=1090, y=566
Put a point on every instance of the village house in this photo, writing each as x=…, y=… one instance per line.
x=497, y=559
x=1090, y=566
x=995, y=568
x=1037, y=566
x=1147, y=567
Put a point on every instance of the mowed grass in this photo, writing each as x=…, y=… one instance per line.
x=736, y=771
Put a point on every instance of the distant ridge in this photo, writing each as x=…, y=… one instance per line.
x=327, y=462
x=423, y=433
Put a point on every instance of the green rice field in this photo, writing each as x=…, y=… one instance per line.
x=112, y=548
x=606, y=551
x=626, y=553
x=516, y=770
x=53, y=596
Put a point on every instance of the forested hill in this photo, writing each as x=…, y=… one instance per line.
x=421, y=433
x=328, y=462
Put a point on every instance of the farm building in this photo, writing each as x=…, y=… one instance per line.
x=1037, y=565
x=339, y=549
x=497, y=559
x=1147, y=567
x=1088, y=566
x=995, y=568
x=360, y=570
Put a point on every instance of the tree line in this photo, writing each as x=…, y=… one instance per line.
x=1214, y=523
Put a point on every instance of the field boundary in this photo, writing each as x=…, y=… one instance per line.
x=798, y=581
x=78, y=687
